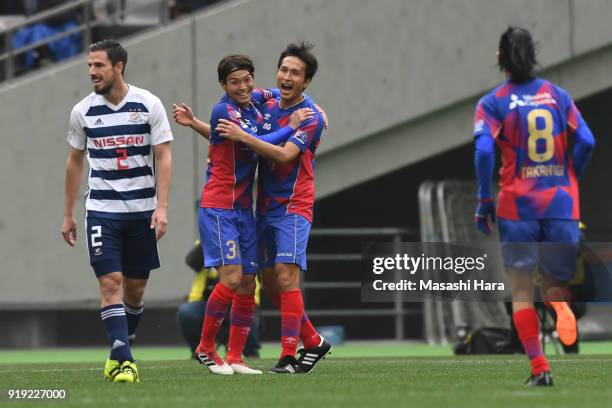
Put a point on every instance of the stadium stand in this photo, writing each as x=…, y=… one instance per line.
x=38, y=33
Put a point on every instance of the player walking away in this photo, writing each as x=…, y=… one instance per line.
x=531, y=120
x=285, y=200
x=227, y=225
x=118, y=125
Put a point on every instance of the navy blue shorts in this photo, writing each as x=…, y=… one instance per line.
x=127, y=246
x=283, y=239
x=228, y=238
x=551, y=246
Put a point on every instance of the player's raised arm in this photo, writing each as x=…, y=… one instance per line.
x=183, y=115
x=261, y=95
x=74, y=173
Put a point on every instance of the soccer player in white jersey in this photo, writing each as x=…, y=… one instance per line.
x=125, y=133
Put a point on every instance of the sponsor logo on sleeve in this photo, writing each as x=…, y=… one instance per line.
x=301, y=136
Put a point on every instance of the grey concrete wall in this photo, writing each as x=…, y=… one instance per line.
x=398, y=79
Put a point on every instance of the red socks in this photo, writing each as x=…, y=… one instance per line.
x=308, y=334
x=292, y=309
x=216, y=307
x=241, y=320
x=528, y=328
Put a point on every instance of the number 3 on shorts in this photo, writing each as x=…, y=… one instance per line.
x=96, y=232
x=231, y=246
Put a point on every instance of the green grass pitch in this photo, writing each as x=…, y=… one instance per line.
x=368, y=375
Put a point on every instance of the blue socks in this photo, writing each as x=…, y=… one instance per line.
x=115, y=321
x=133, y=315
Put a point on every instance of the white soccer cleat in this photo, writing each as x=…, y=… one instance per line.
x=214, y=363
x=240, y=367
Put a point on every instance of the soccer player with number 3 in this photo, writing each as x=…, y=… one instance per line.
x=532, y=120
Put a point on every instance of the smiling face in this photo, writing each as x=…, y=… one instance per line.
x=239, y=86
x=102, y=72
x=291, y=80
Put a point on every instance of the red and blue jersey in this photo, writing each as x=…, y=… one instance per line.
x=231, y=165
x=289, y=188
x=531, y=123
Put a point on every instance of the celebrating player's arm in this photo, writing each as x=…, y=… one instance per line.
x=183, y=115
x=263, y=145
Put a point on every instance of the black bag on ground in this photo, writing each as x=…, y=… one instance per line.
x=486, y=340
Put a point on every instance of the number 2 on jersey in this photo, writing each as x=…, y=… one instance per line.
x=536, y=134
x=121, y=156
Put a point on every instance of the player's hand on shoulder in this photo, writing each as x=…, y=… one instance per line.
x=229, y=130
x=300, y=116
x=159, y=222
x=485, y=211
x=69, y=230
x=183, y=115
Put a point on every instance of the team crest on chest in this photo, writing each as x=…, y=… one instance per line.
x=135, y=117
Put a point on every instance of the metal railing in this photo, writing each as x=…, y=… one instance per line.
x=85, y=26
x=397, y=311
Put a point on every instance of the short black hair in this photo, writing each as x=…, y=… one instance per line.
x=517, y=54
x=301, y=51
x=116, y=53
x=233, y=63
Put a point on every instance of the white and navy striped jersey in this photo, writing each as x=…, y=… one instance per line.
x=119, y=142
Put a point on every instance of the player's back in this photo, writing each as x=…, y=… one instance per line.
x=531, y=123
x=231, y=165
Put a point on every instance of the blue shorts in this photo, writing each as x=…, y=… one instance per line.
x=229, y=238
x=556, y=251
x=127, y=246
x=283, y=239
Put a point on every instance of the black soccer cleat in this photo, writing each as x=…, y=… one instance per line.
x=544, y=379
x=309, y=357
x=286, y=365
